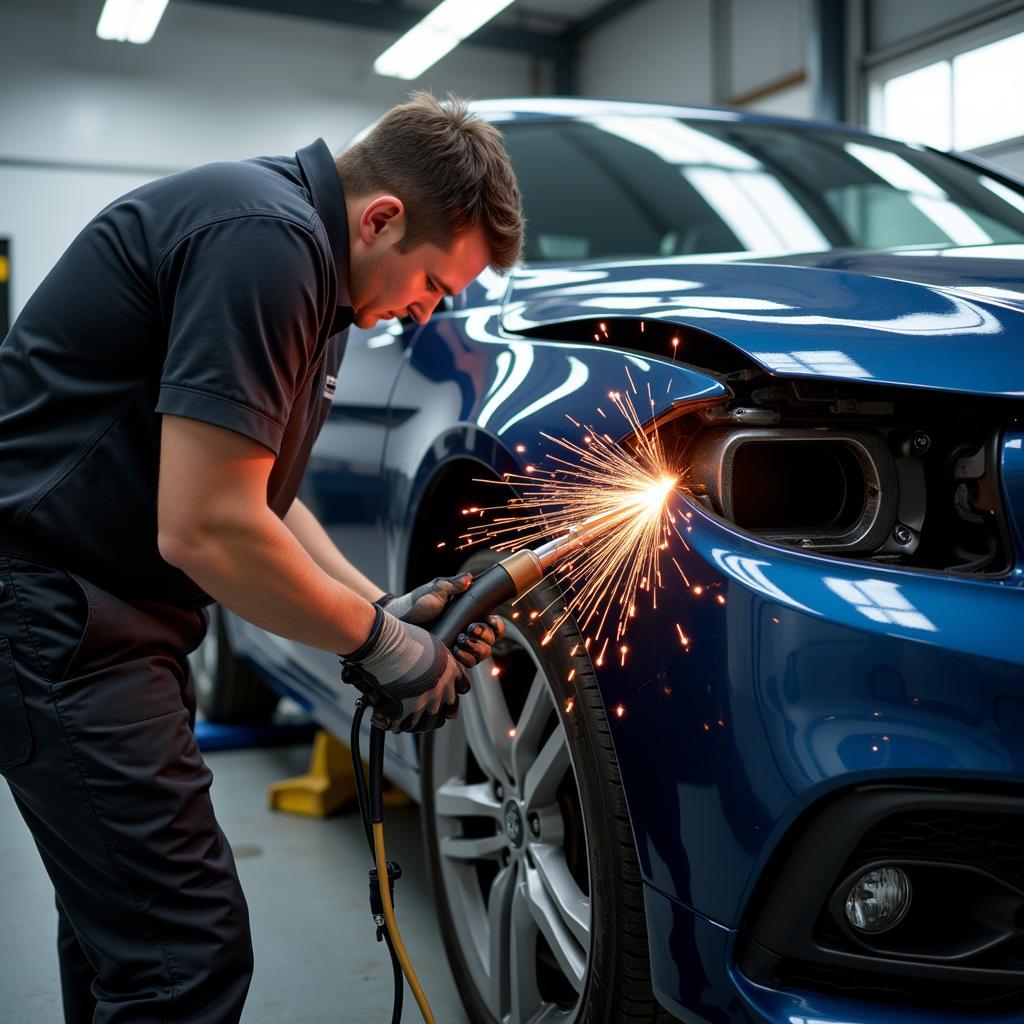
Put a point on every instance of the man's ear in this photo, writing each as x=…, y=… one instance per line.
x=382, y=218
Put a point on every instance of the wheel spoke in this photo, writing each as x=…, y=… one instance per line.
x=571, y=957
x=480, y=739
x=494, y=715
x=472, y=847
x=525, y=998
x=532, y=719
x=567, y=897
x=499, y=911
x=546, y=772
x=464, y=800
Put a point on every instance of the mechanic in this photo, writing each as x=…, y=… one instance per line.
x=159, y=396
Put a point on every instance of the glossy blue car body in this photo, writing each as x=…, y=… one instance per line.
x=812, y=673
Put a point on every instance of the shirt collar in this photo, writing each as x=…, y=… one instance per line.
x=318, y=168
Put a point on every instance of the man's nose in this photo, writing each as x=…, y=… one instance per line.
x=420, y=311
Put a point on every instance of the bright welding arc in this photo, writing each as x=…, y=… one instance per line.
x=605, y=504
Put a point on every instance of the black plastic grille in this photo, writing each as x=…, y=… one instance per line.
x=994, y=842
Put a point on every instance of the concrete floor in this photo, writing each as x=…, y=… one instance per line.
x=317, y=961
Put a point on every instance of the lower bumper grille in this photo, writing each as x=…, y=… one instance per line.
x=960, y=943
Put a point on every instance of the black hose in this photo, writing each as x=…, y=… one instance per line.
x=363, y=799
x=974, y=562
x=396, y=967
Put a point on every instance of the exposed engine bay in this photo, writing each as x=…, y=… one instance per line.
x=885, y=474
x=861, y=470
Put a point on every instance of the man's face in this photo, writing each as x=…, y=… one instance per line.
x=385, y=283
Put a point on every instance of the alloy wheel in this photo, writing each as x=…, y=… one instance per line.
x=512, y=842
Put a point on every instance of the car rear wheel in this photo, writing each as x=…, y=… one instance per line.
x=227, y=690
x=529, y=845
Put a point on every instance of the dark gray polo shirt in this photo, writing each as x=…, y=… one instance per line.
x=219, y=294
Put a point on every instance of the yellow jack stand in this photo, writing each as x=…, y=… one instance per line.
x=327, y=786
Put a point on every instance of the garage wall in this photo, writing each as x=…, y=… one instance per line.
x=767, y=43
x=747, y=53
x=84, y=120
x=890, y=23
x=657, y=50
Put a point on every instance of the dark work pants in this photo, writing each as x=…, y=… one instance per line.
x=96, y=714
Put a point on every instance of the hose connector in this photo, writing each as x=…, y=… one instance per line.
x=377, y=900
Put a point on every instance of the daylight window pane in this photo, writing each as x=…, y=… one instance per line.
x=988, y=84
x=916, y=105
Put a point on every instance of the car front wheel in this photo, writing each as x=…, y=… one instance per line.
x=529, y=844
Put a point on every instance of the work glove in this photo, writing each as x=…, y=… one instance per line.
x=407, y=675
x=424, y=604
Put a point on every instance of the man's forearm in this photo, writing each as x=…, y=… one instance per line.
x=313, y=537
x=255, y=566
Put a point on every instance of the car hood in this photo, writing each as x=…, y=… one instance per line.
x=951, y=319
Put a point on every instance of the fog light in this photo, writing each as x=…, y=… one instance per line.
x=878, y=900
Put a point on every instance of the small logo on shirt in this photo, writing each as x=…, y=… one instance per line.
x=330, y=386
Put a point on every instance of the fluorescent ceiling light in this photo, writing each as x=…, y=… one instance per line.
x=130, y=21
x=437, y=34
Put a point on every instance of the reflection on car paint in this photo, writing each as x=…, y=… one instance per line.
x=930, y=317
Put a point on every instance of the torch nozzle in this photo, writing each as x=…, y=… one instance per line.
x=578, y=536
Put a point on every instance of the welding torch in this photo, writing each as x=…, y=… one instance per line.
x=507, y=580
x=516, y=574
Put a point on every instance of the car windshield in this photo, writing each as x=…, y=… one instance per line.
x=643, y=186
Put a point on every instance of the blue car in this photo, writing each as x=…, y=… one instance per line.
x=798, y=798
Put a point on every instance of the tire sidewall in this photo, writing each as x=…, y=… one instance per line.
x=232, y=693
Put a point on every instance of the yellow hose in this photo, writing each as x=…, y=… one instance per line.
x=389, y=919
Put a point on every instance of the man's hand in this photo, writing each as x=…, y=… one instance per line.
x=474, y=645
x=408, y=675
x=424, y=604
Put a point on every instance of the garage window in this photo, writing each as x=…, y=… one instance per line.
x=917, y=105
x=964, y=102
x=988, y=84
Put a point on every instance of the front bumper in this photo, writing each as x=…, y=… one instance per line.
x=803, y=676
x=694, y=977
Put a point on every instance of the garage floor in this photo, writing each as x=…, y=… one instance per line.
x=316, y=958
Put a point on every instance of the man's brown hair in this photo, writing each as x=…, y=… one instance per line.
x=450, y=169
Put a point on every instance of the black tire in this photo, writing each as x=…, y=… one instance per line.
x=617, y=985
x=228, y=692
